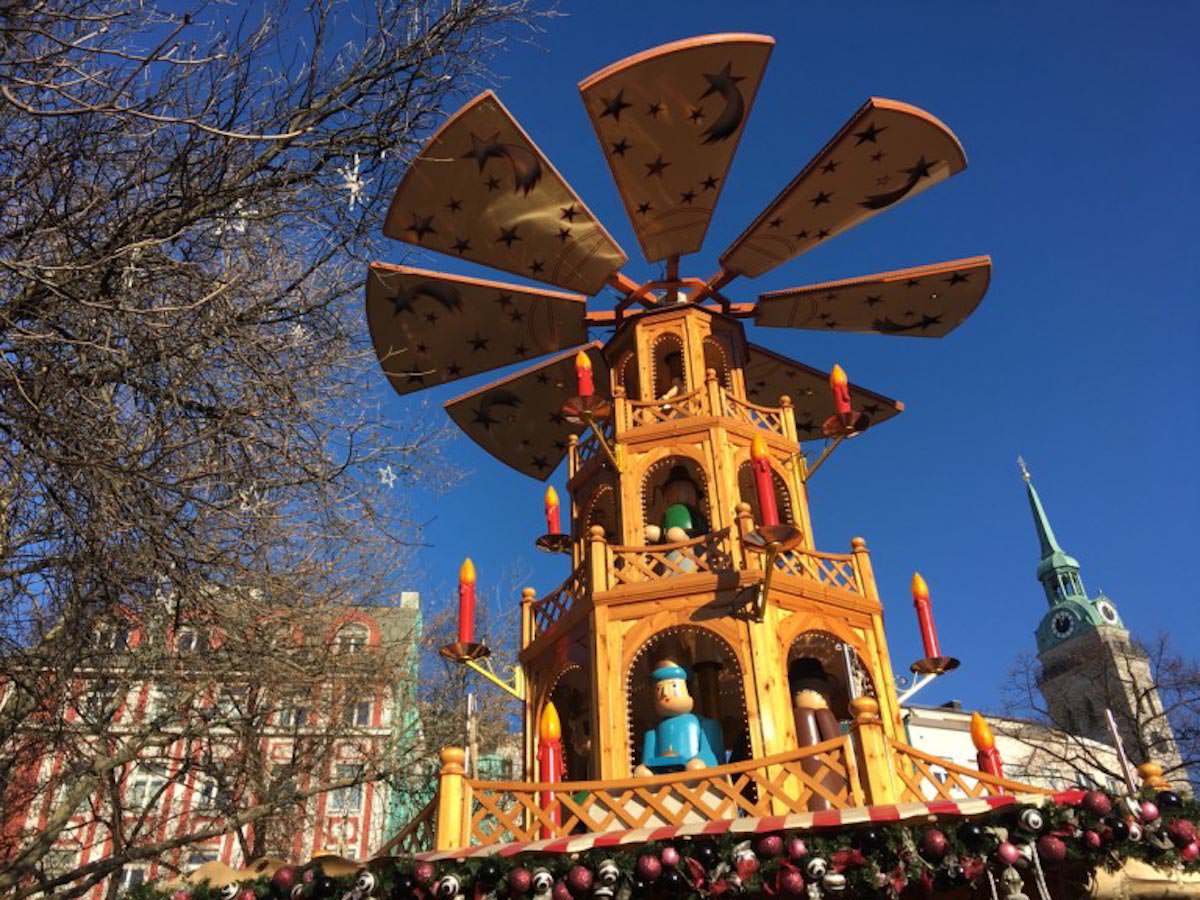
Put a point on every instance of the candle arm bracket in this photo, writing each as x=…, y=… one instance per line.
x=478, y=658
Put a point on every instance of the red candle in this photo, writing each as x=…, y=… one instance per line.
x=920, y=592
x=553, y=526
x=551, y=767
x=760, y=463
x=466, y=602
x=583, y=371
x=986, y=754
x=840, y=385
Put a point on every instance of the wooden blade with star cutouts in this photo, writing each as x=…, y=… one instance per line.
x=770, y=375
x=519, y=419
x=887, y=153
x=669, y=121
x=482, y=190
x=924, y=301
x=431, y=328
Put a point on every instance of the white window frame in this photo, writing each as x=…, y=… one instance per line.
x=358, y=713
x=145, y=784
x=352, y=638
x=346, y=799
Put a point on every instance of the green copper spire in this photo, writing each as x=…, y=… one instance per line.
x=1058, y=572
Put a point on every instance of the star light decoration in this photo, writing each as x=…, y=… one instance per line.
x=353, y=182
x=387, y=476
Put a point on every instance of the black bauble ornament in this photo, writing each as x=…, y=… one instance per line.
x=403, y=887
x=705, y=854
x=639, y=888
x=869, y=840
x=972, y=835
x=1118, y=826
x=324, y=887
x=672, y=881
x=1168, y=800
x=489, y=872
x=951, y=876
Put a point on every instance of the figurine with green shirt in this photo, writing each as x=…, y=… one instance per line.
x=681, y=739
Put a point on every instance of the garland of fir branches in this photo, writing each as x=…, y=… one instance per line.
x=1012, y=849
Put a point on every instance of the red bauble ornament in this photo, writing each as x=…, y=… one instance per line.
x=1092, y=839
x=648, y=867
x=1008, y=853
x=1181, y=832
x=1190, y=852
x=669, y=856
x=561, y=891
x=791, y=881
x=1051, y=848
x=424, y=872
x=247, y=894
x=520, y=880
x=181, y=895
x=796, y=848
x=769, y=846
x=284, y=878
x=1148, y=811
x=933, y=844
x=579, y=879
x=1097, y=803
x=746, y=865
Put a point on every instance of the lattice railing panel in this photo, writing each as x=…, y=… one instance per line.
x=925, y=777
x=588, y=445
x=651, y=412
x=707, y=553
x=773, y=786
x=419, y=835
x=554, y=606
x=764, y=417
x=833, y=569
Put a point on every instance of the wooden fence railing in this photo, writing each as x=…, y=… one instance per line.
x=768, y=418
x=553, y=606
x=924, y=777
x=706, y=553
x=417, y=836
x=835, y=569
x=788, y=782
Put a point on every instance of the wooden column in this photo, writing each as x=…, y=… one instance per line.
x=598, y=561
x=452, y=801
x=872, y=752
x=532, y=683
x=712, y=390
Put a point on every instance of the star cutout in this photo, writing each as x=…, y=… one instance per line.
x=516, y=316
x=507, y=236
x=421, y=226
x=619, y=148
x=957, y=278
x=869, y=134
x=563, y=234
x=912, y=282
x=919, y=170
x=883, y=181
x=801, y=235
x=520, y=350
x=720, y=80
x=830, y=167
x=926, y=321
x=822, y=234
x=539, y=463
x=478, y=343
x=493, y=184
x=484, y=417
x=614, y=106
x=536, y=267
x=644, y=208
x=687, y=197
x=873, y=300
x=454, y=205
x=656, y=167
x=422, y=349
x=454, y=370
x=710, y=183
x=832, y=295
x=416, y=378
x=871, y=408
x=431, y=318
x=504, y=300
x=569, y=213
x=482, y=149
x=878, y=156
x=653, y=110
x=461, y=246
x=775, y=222
x=556, y=418
x=697, y=114
x=831, y=324
x=820, y=199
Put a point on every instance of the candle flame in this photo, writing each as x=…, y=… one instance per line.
x=466, y=573
x=981, y=733
x=920, y=590
x=837, y=377
x=550, y=729
x=759, y=448
x=582, y=361
x=551, y=495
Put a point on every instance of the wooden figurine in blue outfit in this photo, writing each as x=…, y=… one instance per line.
x=681, y=739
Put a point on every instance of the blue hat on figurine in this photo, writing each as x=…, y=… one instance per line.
x=668, y=669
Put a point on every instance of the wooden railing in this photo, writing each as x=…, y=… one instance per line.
x=765, y=417
x=834, y=569
x=926, y=777
x=417, y=836
x=788, y=782
x=553, y=606
x=706, y=553
x=588, y=445
x=652, y=412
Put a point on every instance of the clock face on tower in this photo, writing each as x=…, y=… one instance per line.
x=1063, y=624
x=1108, y=611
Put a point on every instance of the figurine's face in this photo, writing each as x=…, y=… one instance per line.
x=680, y=492
x=671, y=697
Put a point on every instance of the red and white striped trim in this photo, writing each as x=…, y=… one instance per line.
x=808, y=821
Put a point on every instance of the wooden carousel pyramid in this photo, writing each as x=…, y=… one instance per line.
x=703, y=663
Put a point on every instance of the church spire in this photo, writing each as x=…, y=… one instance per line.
x=1058, y=572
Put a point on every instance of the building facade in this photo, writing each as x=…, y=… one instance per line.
x=173, y=791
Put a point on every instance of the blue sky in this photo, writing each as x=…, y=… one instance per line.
x=1081, y=132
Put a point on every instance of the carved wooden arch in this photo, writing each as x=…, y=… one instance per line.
x=660, y=377
x=661, y=631
x=592, y=512
x=662, y=460
x=748, y=494
x=626, y=371
x=717, y=356
x=569, y=716
x=814, y=637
